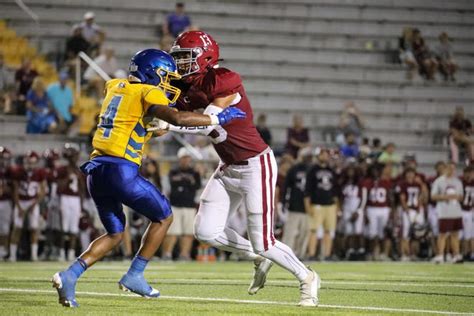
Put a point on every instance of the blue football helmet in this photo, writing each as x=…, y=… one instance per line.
x=155, y=67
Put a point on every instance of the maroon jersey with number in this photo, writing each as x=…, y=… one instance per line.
x=377, y=192
x=68, y=181
x=468, y=199
x=6, y=184
x=239, y=140
x=29, y=181
x=412, y=192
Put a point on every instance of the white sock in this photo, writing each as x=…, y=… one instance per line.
x=34, y=252
x=230, y=240
x=62, y=253
x=2, y=251
x=13, y=249
x=282, y=255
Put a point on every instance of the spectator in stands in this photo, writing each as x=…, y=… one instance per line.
x=377, y=148
x=296, y=229
x=297, y=136
x=24, y=77
x=321, y=203
x=76, y=43
x=425, y=59
x=176, y=22
x=350, y=148
x=263, y=130
x=444, y=56
x=460, y=135
x=365, y=149
x=447, y=192
x=91, y=32
x=389, y=156
x=40, y=113
x=185, y=181
x=6, y=84
x=406, y=51
x=109, y=65
x=350, y=121
x=62, y=99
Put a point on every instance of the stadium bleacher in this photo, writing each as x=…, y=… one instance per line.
x=341, y=53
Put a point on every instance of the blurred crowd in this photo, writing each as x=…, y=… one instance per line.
x=357, y=200
x=55, y=108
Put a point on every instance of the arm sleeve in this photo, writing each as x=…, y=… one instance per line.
x=201, y=130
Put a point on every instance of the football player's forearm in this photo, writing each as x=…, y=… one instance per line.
x=181, y=118
x=201, y=130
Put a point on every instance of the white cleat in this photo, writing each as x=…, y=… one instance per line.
x=309, y=289
x=262, y=266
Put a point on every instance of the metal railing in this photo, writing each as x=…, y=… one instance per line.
x=35, y=18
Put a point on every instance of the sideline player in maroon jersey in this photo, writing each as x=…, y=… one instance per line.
x=247, y=172
x=6, y=209
x=71, y=189
x=53, y=231
x=468, y=213
x=29, y=186
x=412, y=194
x=376, y=201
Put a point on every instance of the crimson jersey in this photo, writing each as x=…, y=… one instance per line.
x=6, y=184
x=378, y=192
x=412, y=191
x=68, y=181
x=29, y=181
x=468, y=199
x=240, y=138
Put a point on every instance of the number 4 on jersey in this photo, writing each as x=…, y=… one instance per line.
x=107, y=120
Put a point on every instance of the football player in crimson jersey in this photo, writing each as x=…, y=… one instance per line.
x=71, y=191
x=247, y=172
x=53, y=217
x=6, y=209
x=412, y=194
x=468, y=212
x=376, y=202
x=29, y=187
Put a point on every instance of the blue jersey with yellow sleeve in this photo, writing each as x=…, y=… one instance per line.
x=121, y=130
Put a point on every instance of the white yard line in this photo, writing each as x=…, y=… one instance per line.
x=276, y=282
x=229, y=300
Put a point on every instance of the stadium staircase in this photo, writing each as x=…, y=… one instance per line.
x=306, y=56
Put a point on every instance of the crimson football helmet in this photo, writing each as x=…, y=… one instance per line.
x=194, y=52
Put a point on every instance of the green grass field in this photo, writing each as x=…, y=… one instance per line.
x=221, y=288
